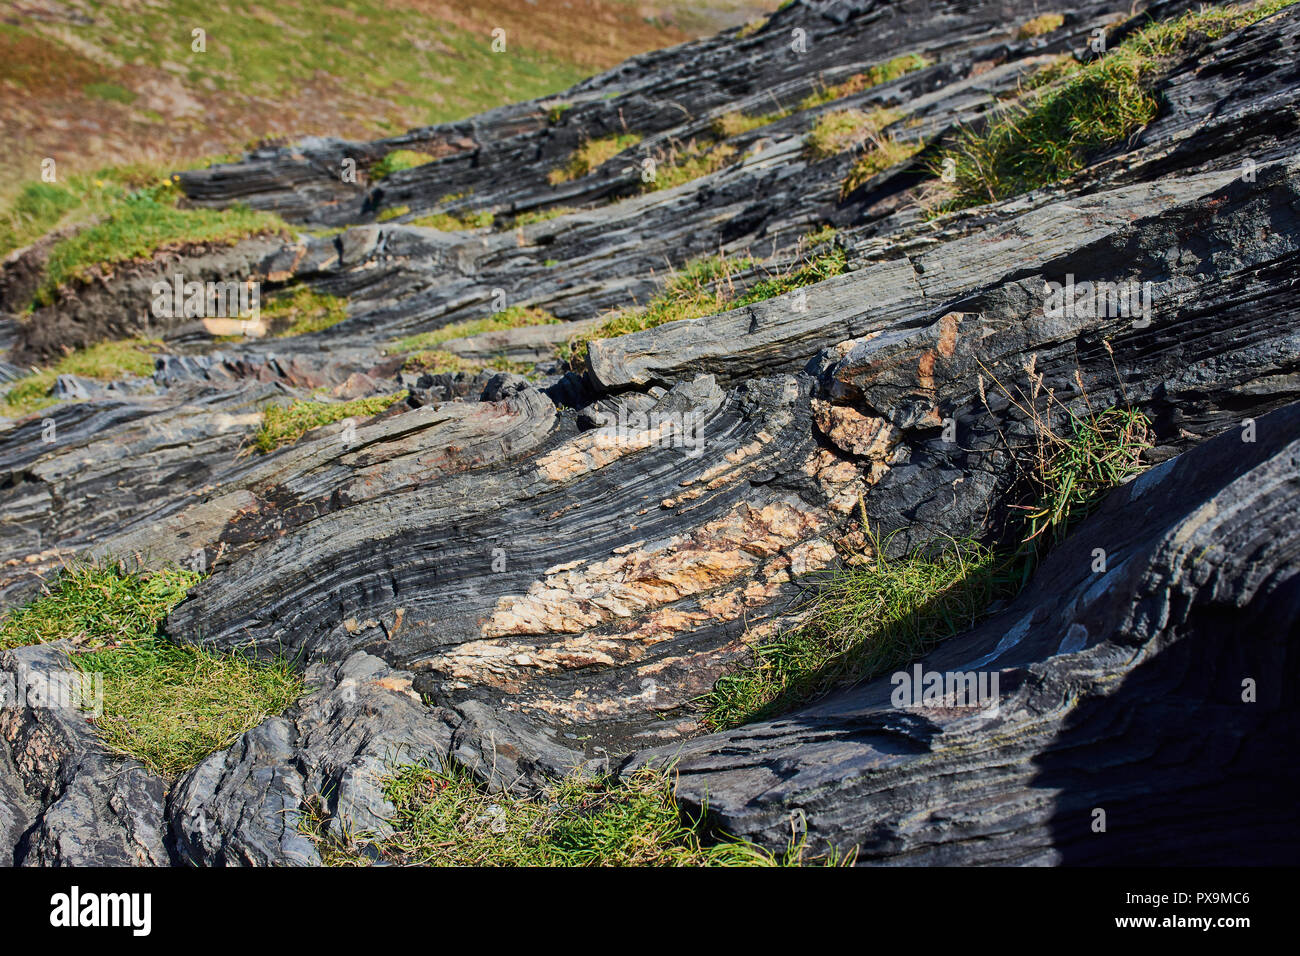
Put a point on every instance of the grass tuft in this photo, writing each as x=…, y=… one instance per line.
x=866, y=618
x=859, y=82
x=448, y=819
x=104, y=361
x=443, y=362
x=453, y=222
x=541, y=215
x=836, y=131
x=1057, y=126
x=877, y=156
x=300, y=311
x=166, y=705
x=285, y=424
x=734, y=123
x=398, y=160
x=1043, y=24
x=690, y=162
x=591, y=155
x=706, y=287
x=514, y=317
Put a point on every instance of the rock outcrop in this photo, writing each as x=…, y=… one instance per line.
x=536, y=575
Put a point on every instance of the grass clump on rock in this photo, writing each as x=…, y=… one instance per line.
x=836, y=131
x=138, y=226
x=875, y=613
x=688, y=163
x=734, y=123
x=842, y=130
x=453, y=222
x=300, y=311
x=591, y=155
x=1040, y=25
x=513, y=317
x=448, y=819
x=285, y=424
x=706, y=287
x=166, y=705
x=867, y=617
x=872, y=76
x=1052, y=132
x=104, y=361
x=444, y=362
x=398, y=160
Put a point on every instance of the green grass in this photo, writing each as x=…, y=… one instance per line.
x=836, y=131
x=734, y=123
x=166, y=705
x=447, y=819
x=454, y=222
x=860, y=82
x=690, y=162
x=1040, y=25
x=141, y=224
x=821, y=266
x=513, y=317
x=541, y=215
x=591, y=155
x=398, y=160
x=97, y=607
x=1065, y=472
x=877, y=156
x=285, y=424
x=1050, y=135
x=443, y=362
x=104, y=361
x=706, y=287
x=874, y=613
x=300, y=311
x=111, y=92
x=701, y=287
x=38, y=207
x=1096, y=453
x=866, y=618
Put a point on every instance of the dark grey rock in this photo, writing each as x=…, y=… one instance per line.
x=83, y=805
x=1124, y=690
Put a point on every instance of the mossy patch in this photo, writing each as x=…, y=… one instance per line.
x=164, y=704
x=285, y=424
x=445, y=818
x=1058, y=125
x=591, y=155
x=300, y=311
x=141, y=224
x=104, y=361
x=1040, y=25
x=397, y=161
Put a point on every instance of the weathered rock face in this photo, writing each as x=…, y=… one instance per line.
x=532, y=576
x=1157, y=690
x=69, y=800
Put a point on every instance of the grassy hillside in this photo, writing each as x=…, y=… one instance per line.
x=130, y=87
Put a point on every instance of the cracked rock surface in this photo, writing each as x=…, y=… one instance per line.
x=532, y=576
